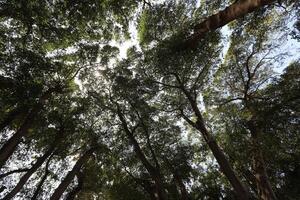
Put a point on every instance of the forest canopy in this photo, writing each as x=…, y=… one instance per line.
x=154, y=100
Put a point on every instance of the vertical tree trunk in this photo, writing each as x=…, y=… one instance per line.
x=28, y=174
x=77, y=189
x=70, y=176
x=240, y=190
x=43, y=179
x=9, y=147
x=154, y=172
x=180, y=184
x=178, y=180
x=264, y=188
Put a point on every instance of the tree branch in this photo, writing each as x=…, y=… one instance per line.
x=236, y=10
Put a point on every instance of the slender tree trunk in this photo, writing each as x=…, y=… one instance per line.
x=240, y=190
x=43, y=179
x=251, y=180
x=9, y=147
x=146, y=184
x=77, y=189
x=28, y=174
x=264, y=188
x=180, y=184
x=70, y=176
x=154, y=172
x=213, y=22
x=178, y=180
x=12, y=115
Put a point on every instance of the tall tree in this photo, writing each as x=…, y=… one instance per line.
x=70, y=176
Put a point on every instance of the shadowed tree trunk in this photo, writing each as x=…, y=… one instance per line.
x=264, y=188
x=43, y=179
x=9, y=147
x=154, y=172
x=230, y=13
x=70, y=176
x=77, y=189
x=146, y=184
x=178, y=180
x=240, y=190
x=29, y=173
x=180, y=184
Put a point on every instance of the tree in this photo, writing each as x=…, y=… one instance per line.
x=171, y=119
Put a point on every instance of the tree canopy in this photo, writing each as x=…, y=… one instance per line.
x=203, y=105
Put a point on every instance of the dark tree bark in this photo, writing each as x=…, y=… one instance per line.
x=29, y=173
x=13, y=172
x=70, y=176
x=77, y=189
x=180, y=184
x=178, y=180
x=149, y=188
x=146, y=184
x=264, y=188
x=9, y=147
x=43, y=179
x=240, y=190
x=234, y=11
x=153, y=171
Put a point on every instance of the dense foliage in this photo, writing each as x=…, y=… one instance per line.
x=192, y=111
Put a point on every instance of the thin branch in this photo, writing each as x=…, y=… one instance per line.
x=230, y=100
x=40, y=184
x=166, y=85
x=188, y=119
x=13, y=172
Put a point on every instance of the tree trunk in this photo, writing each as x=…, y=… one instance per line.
x=240, y=190
x=146, y=184
x=230, y=13
x=264, y=188
x=77, y=189
x=9, y=147
x=180, y=184
x=178, y=180
x=70, y=176
x=28, y=174
x=43, y=179
x=154, y=172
